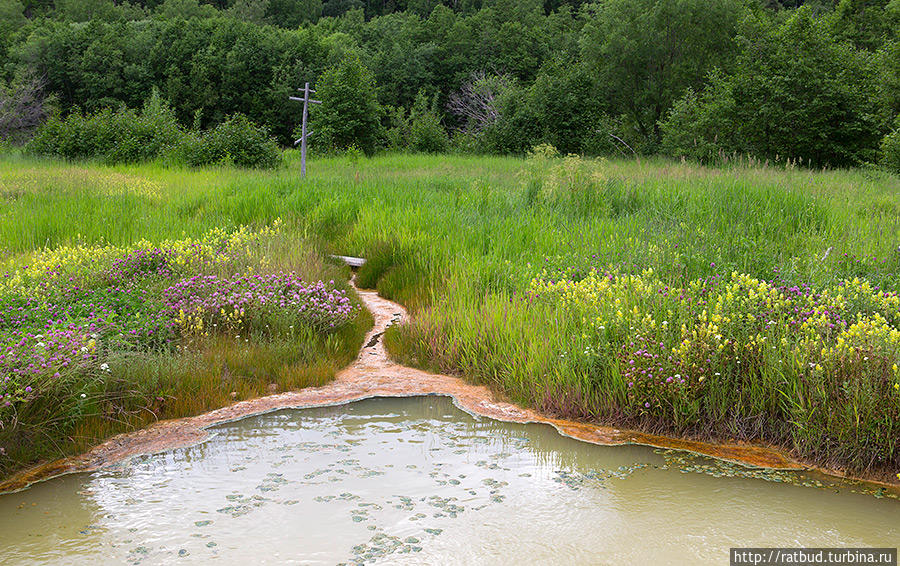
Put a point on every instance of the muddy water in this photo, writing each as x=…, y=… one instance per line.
x=417, y=481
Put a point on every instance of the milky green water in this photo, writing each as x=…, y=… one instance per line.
x=417, y=481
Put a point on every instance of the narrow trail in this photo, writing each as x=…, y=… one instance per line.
x=374, y=374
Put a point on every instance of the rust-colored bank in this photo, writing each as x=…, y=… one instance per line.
x=373, y=374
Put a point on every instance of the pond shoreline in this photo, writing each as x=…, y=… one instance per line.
x=374, y=374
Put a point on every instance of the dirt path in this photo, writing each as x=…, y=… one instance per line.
x=373, y=374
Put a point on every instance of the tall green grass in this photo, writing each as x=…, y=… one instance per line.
x=458, y=239
x=672, y=216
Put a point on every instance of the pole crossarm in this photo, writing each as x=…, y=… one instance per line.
x=310, y=100
x=309, y=133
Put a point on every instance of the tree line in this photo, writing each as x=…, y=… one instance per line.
x=813, y=82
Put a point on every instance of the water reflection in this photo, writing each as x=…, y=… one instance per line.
x=419, y=481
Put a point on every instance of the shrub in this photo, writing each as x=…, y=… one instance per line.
x=111, y=135
x=515, y=128
x=890, y=150
x=564, y=106
x=237, y=141
x=699, y=125
x=466, y=143
x=349, y=113
x=127, y=136
x=425, y=131
x=395, y=133
x=23, y=107
x=614, y=136
x=797, y=93
x=478, y=106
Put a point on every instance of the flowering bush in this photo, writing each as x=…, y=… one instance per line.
x=142, y=262
x=251, y=301
x=26, y=357
x=69, y=315
x=759, y=358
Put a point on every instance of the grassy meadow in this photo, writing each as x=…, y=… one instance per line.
x=745, y=302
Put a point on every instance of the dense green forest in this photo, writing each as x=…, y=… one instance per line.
x=817, y=83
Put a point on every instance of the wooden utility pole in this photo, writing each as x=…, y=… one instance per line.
x=306, y=100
